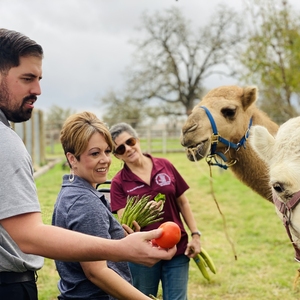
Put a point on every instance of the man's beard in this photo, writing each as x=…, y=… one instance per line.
x=13, y=113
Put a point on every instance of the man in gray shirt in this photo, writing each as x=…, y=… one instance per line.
x=24, y=239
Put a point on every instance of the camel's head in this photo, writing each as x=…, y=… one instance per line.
x=282, y=155
x=231, y=108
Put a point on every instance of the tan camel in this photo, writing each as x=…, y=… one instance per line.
x=232, y=108
x=282, y=155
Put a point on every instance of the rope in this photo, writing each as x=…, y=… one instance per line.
x=192, y=152
x=222, y=215
x=296, y=280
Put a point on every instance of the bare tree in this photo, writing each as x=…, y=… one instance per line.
x=172, y=61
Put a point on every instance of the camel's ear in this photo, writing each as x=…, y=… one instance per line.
x=250, y=95
x=262, y=142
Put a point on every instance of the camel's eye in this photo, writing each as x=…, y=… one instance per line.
x=278, y=187
x=228, y=112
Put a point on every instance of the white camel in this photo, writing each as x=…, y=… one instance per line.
x=281, y=153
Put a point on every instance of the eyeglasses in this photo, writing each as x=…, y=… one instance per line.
x=120, y=150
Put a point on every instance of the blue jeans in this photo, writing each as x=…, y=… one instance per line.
x=173, y=274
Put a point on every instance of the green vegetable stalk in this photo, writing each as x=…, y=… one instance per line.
x=159, y=197
x=138, y=209
x=152, y=297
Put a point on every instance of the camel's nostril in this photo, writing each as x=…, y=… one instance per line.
x=194, y=127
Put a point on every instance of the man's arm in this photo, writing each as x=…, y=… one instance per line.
x=34, y=237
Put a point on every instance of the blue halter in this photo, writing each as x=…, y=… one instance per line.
x=215, y=138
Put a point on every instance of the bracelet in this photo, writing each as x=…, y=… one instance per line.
x=196, y=233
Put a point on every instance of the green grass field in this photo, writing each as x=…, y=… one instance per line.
x=264, y=269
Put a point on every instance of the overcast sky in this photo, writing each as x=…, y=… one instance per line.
x=86, y=42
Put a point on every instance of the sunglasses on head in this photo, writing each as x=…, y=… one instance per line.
x=120, y=150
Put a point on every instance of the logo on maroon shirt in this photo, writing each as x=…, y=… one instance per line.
x=163, y=179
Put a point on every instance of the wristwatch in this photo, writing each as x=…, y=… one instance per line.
x=196, y=233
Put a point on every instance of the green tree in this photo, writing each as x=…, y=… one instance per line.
x=272, y=57
x=55, y=118
x=172, y=61
x=121, y=109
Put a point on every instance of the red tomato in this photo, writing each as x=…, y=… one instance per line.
x=170, y=236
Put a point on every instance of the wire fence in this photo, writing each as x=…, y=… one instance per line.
x=153, y=140
x=160, y=141
x=37, y=136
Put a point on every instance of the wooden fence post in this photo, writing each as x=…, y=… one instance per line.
x=149, y=140
x=164, y=141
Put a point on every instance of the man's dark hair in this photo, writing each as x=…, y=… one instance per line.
x=14, y=45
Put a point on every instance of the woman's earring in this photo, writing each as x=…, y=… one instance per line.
x=71, y=178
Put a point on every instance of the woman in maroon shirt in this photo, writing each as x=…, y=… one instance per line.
x=143, y=174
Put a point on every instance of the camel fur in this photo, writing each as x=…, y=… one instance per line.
x=282, y=156
x=231, y=107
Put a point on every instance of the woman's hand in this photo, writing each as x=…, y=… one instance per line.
x=128, y=230
x=193, y=247
x=155, y=205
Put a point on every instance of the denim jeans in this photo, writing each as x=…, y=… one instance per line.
x=173, y=275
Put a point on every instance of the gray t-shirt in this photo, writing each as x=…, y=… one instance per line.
x=82, y=208
x=18, y=195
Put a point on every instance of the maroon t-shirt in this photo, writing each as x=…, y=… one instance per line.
x=166, y=180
